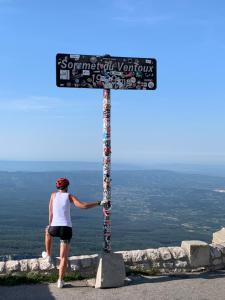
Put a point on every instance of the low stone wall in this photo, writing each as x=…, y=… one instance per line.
x=190, y=256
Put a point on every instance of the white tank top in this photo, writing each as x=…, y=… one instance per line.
x=61, y=210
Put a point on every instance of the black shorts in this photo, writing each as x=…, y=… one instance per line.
x=63, y=232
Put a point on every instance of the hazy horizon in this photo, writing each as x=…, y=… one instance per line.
x=45, y=166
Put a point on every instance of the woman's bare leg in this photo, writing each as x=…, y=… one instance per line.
x=48, y=242
x=64, y=252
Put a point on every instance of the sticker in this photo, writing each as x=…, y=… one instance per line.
x=130, y=74
x=120, y=84
x=78, y=66
x=105, y=94
x=75, y=56
x=148, y=61
x=83, y=83
x=99, y=83
x=107, y=152
x=107, y=85
x=86, y=72
x=106, y=160
x=107, y=143
x=133, y=79
x=93, y=59
x=65, y=74
x=106, y=212
x=116, y=73
x=145, y=84
x=150, y=84
x=139, y=74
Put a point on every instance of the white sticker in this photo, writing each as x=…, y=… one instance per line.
x=65, y=74
x=120, y=84
x=133, y=79
x=116, y=73
x=75, y=56
x=86, y=72
x=150, y=85
x=148, y=61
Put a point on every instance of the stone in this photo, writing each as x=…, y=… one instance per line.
x=74, y=263
x=134, y=268
x=139, y=256
x=2, y=266
x=156, y=264
x=143, y=267
x=23, y=265
x=127, y=256
x=219, y=236
x=180, y=264
x=165, y=253
x=167, y=265
x=45, y=265
x=177, y=252
x=198, y=253
x=215, y=251
x=153, y=254
x=111, y=271
x=33, y=264
x=221, y=247
x=12, y=265
x=94, y=258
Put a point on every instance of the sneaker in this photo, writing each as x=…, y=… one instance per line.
x=60, y=283
x=45, y=256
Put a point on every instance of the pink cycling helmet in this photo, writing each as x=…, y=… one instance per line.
x=62, y=183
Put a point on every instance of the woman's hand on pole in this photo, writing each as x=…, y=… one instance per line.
x=103, y=202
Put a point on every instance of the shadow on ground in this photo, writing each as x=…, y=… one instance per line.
x=26, y=292
x=141, y=279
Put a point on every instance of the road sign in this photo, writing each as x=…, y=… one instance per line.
x=105, y=72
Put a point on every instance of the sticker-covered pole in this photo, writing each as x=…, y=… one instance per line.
x=107, y=169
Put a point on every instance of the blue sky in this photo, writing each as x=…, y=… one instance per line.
x=182, y=121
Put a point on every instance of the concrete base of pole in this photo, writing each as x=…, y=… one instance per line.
x=111, y=271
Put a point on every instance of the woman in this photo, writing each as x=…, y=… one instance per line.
x=60, y=224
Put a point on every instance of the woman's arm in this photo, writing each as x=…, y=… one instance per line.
x=84, y=205
x=50, y=209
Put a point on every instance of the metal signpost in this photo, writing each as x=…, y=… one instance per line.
x=107, y=168
x=106, y=72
